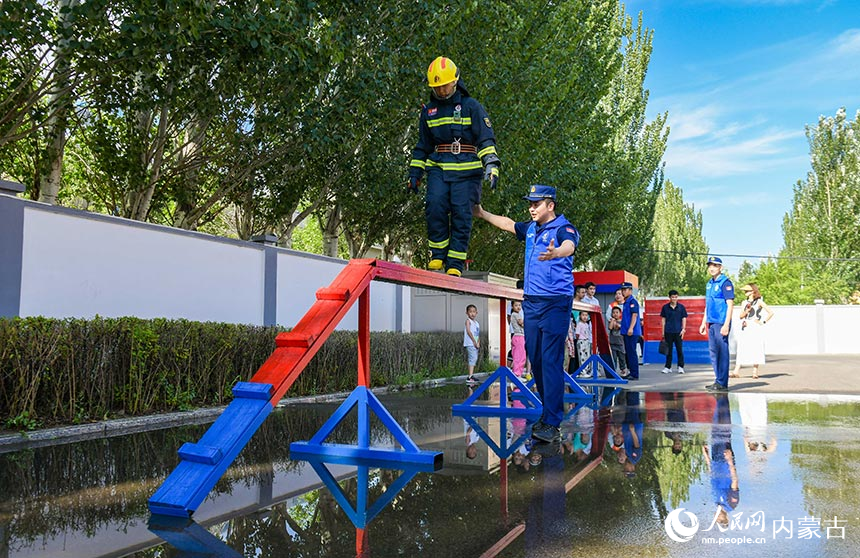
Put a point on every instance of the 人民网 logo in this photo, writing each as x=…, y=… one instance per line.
x=676, y=530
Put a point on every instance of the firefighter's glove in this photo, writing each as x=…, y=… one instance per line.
x=491, y=175
x=414, y=184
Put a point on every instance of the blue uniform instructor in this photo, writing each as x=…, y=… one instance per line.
x=457, y=149
x=631, y=329
x=717, y=322
x=547, y=297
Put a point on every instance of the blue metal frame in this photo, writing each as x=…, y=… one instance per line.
x=205, y=462
x=577, y=393
x=363, y=454
x=522, y=392
x=596, y=361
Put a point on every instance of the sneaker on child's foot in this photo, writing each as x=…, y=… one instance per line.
x=680, y=370
x=666, y=370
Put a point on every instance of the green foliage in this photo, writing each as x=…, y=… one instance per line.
x=821, y=229
x=271, y=113
x=678, y=245
x=74, y=371
x=568, y=107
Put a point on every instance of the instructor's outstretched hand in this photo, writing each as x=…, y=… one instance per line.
x=550, y=252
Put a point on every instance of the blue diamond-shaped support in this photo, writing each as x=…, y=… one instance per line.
x=363, y=454
x=596, y=362
x=523, y=392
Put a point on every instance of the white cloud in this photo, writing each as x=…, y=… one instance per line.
x=848, y=43
x=713, y=156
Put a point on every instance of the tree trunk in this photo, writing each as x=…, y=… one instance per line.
x=51, y=173
x=329, y=230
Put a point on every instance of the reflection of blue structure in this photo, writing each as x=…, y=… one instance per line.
x=189, y=538
x=364, y=511
x=506, y=446
x=522, y=391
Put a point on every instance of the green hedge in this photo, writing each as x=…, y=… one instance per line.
x=71, y=371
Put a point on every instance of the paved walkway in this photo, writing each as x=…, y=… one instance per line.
x=828, y=374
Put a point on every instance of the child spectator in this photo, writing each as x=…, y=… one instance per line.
x=583, y=339
x=616, y=342
x=471, y=336
x=518, y=340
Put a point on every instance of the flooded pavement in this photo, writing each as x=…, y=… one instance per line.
x=646, y=474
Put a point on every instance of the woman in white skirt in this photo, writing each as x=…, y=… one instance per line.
x=754, y=314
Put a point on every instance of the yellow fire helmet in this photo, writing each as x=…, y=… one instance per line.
x=442, y=71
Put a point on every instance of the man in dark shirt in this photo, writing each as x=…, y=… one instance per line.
x=674, y=319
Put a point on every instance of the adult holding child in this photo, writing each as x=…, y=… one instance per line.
x=754, y=314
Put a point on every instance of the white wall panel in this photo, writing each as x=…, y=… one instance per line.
x=79, y=267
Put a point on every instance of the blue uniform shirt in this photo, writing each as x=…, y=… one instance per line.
x=631, y=306
x=718, y=292
x=550, y=277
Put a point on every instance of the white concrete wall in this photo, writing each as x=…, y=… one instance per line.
x=75, y=264
x=810, y=330
x=74, y=267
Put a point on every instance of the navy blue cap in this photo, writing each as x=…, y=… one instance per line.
x=539, y=192
x=626, y=285
x=715, y=260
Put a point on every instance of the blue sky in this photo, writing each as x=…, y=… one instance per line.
x=740, y=81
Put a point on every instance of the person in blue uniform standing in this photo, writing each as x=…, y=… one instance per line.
x=457, y=149
x=717, y=322
x=631, y=329
x=547, y=297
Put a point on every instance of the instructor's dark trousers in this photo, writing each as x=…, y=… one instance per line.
x=545, y=321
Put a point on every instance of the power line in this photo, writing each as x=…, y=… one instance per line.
x=753, y=256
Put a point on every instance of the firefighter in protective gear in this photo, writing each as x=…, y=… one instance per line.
x=457, y=149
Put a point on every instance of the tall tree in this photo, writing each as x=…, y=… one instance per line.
x=823, y=223
x=678, y=246
x=568, y=106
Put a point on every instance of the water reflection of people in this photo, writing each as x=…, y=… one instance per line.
x=676, y=417
x=546, y=523
x=471, y=440
x=721, y=462
x=632, y=430
x=752, y=408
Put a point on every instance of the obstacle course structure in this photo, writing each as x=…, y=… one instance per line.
x=205, y=462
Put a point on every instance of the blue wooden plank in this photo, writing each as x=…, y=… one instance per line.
x=424, y=460
x=189, y=484
x=200, y=454
x=252, y=390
